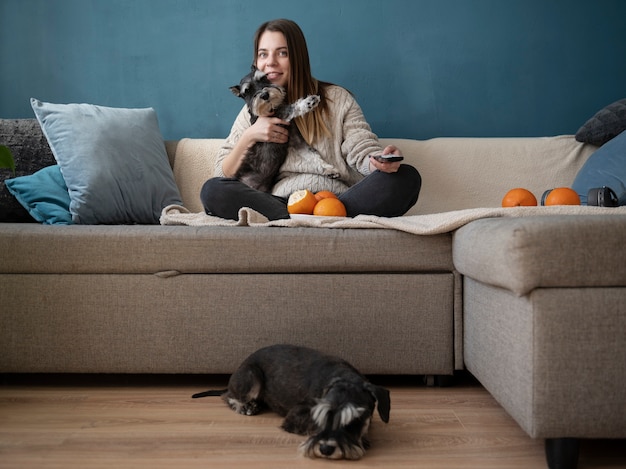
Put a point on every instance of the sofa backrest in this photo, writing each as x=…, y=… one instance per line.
x=460, y=173
x=192, y=161
x=457, y=173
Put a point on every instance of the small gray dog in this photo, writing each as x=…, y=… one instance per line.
x=262, y=161
x=319, y=395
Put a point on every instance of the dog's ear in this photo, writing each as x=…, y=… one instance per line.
x=236, y=90
x=382, y=398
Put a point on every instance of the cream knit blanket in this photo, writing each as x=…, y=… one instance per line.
x=431, y=224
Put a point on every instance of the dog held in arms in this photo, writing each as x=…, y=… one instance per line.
x=262, y=161
x=319, y=395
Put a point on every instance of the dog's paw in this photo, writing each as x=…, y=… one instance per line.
x=298, y=420
x=250, y=408
x=244, y=408
x=310, y=102
x=304, y=105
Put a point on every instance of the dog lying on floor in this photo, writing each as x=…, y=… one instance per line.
x=319, y=395
x=262, y=161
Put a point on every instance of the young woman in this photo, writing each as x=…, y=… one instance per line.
x=339, y=150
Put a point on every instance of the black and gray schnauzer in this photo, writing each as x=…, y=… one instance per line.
x=319, y=395
x=260, y=166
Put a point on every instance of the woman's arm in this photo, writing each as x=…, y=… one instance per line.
x=359, y=142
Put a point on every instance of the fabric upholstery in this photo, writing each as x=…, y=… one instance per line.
x=522, y=254
x=457, y=173
x=460, y=173
x=192, y=161
x=154, y=249
x=210, y=323
x=553, y=359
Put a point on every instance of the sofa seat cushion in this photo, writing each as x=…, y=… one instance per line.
x=167, y=250
x=521, y=254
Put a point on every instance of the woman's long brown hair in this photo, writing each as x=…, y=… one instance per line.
x=301, y=82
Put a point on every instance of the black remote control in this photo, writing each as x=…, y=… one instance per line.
x=389, y=158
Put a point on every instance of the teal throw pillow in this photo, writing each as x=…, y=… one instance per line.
x=44, y=194
x=113, y=161
x=605, y=167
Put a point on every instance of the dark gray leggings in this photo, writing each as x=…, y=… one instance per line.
x=382, y=194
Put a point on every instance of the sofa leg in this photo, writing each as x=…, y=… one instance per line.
x=442, y=381
x=562, y=453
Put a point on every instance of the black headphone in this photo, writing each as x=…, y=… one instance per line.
x=602, y=197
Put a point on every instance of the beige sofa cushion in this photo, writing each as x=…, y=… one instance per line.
x=459, y=173
x=193, y=162
x=521, y=254
x=166, y=250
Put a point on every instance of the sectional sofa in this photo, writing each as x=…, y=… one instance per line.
x=531, y=301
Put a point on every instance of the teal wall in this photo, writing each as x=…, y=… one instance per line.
x=419, y=68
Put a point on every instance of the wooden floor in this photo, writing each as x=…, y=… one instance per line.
x=151, y=422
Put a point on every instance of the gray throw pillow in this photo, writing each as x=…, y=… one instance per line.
x=113, y=161
x=606, y=124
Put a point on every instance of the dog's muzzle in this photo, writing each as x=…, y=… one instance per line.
x=331, y=448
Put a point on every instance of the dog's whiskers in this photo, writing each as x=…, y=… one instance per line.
x=332, y=449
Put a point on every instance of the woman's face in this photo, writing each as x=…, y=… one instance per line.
x=272, y=58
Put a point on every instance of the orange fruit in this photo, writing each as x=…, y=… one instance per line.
x=325, y=195
x=562, y=196
x=301, y=202
x=519, y=197
x=330, y=207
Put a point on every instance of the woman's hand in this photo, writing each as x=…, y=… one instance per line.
x=265, y=129
x=386, y=167
x=268, y=129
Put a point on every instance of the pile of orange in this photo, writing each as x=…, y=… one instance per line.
x=322, y=203
x=520, y=197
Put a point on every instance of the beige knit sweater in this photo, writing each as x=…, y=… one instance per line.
x=336, y=162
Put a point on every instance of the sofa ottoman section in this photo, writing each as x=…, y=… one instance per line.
x=544, y=323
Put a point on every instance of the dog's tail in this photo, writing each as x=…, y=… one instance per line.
x=210, y=392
